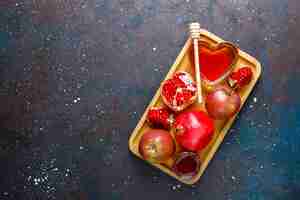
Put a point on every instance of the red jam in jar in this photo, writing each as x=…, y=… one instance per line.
x=187, y=164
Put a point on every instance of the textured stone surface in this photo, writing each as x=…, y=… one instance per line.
x=76, y=75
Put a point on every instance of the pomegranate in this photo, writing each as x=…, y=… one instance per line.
x=179, y=92
x=160, y=117
x=193, y=130
x=240, y=78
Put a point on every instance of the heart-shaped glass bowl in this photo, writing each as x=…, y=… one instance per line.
x=216, y=61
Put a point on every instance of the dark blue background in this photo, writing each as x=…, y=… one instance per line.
x=76, y=75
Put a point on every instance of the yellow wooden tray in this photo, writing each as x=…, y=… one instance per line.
x=185, y=62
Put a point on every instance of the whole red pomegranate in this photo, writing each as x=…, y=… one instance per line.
x=156, y=145
x=193, y=130
x=222, y=103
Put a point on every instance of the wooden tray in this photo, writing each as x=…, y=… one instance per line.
x=184, y=62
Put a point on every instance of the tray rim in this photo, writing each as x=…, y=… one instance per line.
x=222, y=132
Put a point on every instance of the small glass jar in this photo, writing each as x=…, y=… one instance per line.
x=186, y=165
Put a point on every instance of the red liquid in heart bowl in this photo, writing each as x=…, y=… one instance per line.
x=216, y=61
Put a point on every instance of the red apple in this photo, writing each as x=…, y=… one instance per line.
x=156, y=145
x=222, y=103
x=193, y=130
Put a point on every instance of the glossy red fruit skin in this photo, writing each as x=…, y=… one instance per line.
x=222, y=103
x=193, y=130
x=156, y=145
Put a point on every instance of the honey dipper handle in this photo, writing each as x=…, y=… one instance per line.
x=194, y=29
x=197, y=70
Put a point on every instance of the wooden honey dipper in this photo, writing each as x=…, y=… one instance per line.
x=194, y=29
